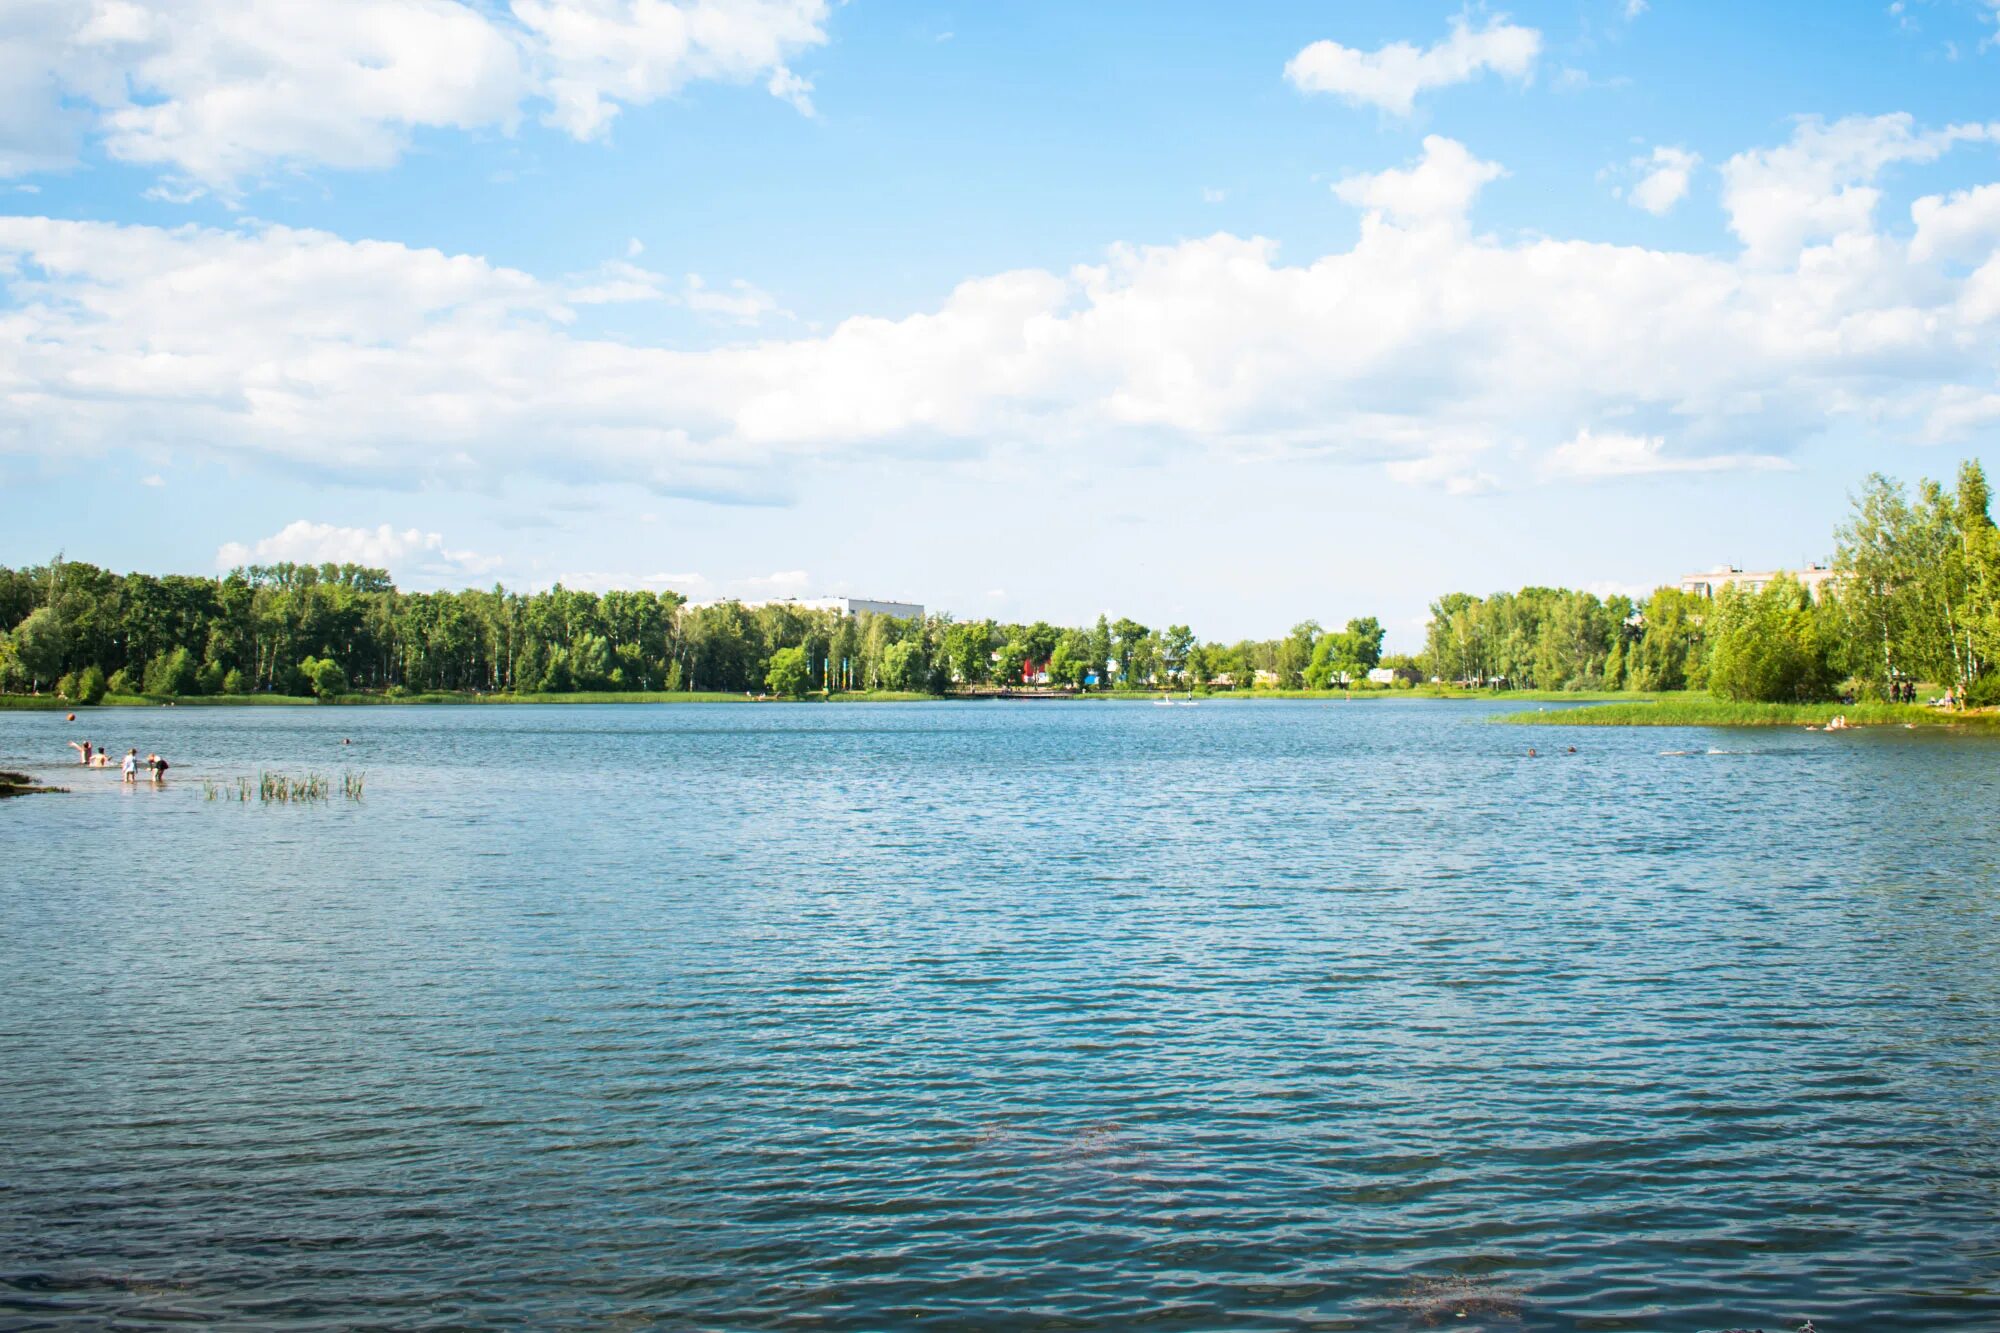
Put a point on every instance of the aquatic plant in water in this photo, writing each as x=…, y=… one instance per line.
x=284, y=789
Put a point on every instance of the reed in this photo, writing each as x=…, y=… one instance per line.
x=286, y=790
x=351, y=785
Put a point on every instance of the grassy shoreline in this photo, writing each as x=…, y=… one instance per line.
x=50, y=703
x=1694, y=710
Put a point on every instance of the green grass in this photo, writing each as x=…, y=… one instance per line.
x=1699, y=710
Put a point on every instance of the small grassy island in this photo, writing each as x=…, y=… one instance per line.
x=20, y=784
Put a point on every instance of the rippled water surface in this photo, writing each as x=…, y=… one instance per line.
x=992, y=1016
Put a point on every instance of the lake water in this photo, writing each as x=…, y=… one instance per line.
x=998, y=1016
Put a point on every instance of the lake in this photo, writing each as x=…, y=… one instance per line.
x=1001, y=1015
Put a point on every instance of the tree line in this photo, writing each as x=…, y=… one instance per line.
x=295, y=629
x=1917, y=597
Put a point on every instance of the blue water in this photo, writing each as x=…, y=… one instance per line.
x=1001, y=1016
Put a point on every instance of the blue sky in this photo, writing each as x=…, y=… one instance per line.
x=1231, y=317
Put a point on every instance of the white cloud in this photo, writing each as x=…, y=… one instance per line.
x=1612, y=454
x=1962, y=226
x=1666, y=180
x=1392, y=77
x=1446, y=355
x=619, y=282
x=596, y=54
x=153, y=479
x=1959, y=411
x=740, y=302
x=1820, y=185
x=1634, y=8
x=783, y=583
x=308, y=543
x=219, y=91
x=1439, y=188
x=615, y=283
x=1211, y=195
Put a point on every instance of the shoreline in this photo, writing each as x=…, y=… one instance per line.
x=53, y=704
x=1702, y=711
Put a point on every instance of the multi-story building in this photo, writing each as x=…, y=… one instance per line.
x=1814, y=577
x=846, y=606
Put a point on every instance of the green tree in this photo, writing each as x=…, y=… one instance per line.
x=1012, y=661
x=1132, y=638
x=90, y=685
x=324, y=676
x=1768, y=646
x=1295, y=654
x=904, y=667
x=39, y=644
x=789, y=673
x=1069, y=663
x=171, y=673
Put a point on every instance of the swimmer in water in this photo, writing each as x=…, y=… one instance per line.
x=1531, y=752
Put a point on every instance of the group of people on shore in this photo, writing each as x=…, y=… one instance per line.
x=92, y=757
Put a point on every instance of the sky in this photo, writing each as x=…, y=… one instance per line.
x=1227, y=316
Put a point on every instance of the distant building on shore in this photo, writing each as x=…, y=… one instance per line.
x=1708, y=584
x=844, y=606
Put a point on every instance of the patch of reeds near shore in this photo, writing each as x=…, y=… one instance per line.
x=287, y=789
x=214, y=790
x=1696, y=711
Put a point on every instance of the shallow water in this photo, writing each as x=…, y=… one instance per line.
x=995, y=1016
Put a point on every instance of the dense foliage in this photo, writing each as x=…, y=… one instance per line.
x=1918, y=597
x=333, y=629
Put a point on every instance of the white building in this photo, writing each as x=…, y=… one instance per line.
x=845, y=606
x=1814, y=577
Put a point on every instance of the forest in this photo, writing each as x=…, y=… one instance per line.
x=1916, y=598
x=334, y=630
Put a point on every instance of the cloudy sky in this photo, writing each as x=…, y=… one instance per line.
x=1232, y=315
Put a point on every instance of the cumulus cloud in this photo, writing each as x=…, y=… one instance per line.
x=1612, y=454
x=1821, y=184
x=216, y=91
x=596, y=54
x=1439, y=352
x=1391, y=77
x=1439, y=188
x=307, y=543
x=1962, y=226
x=1665, y=182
